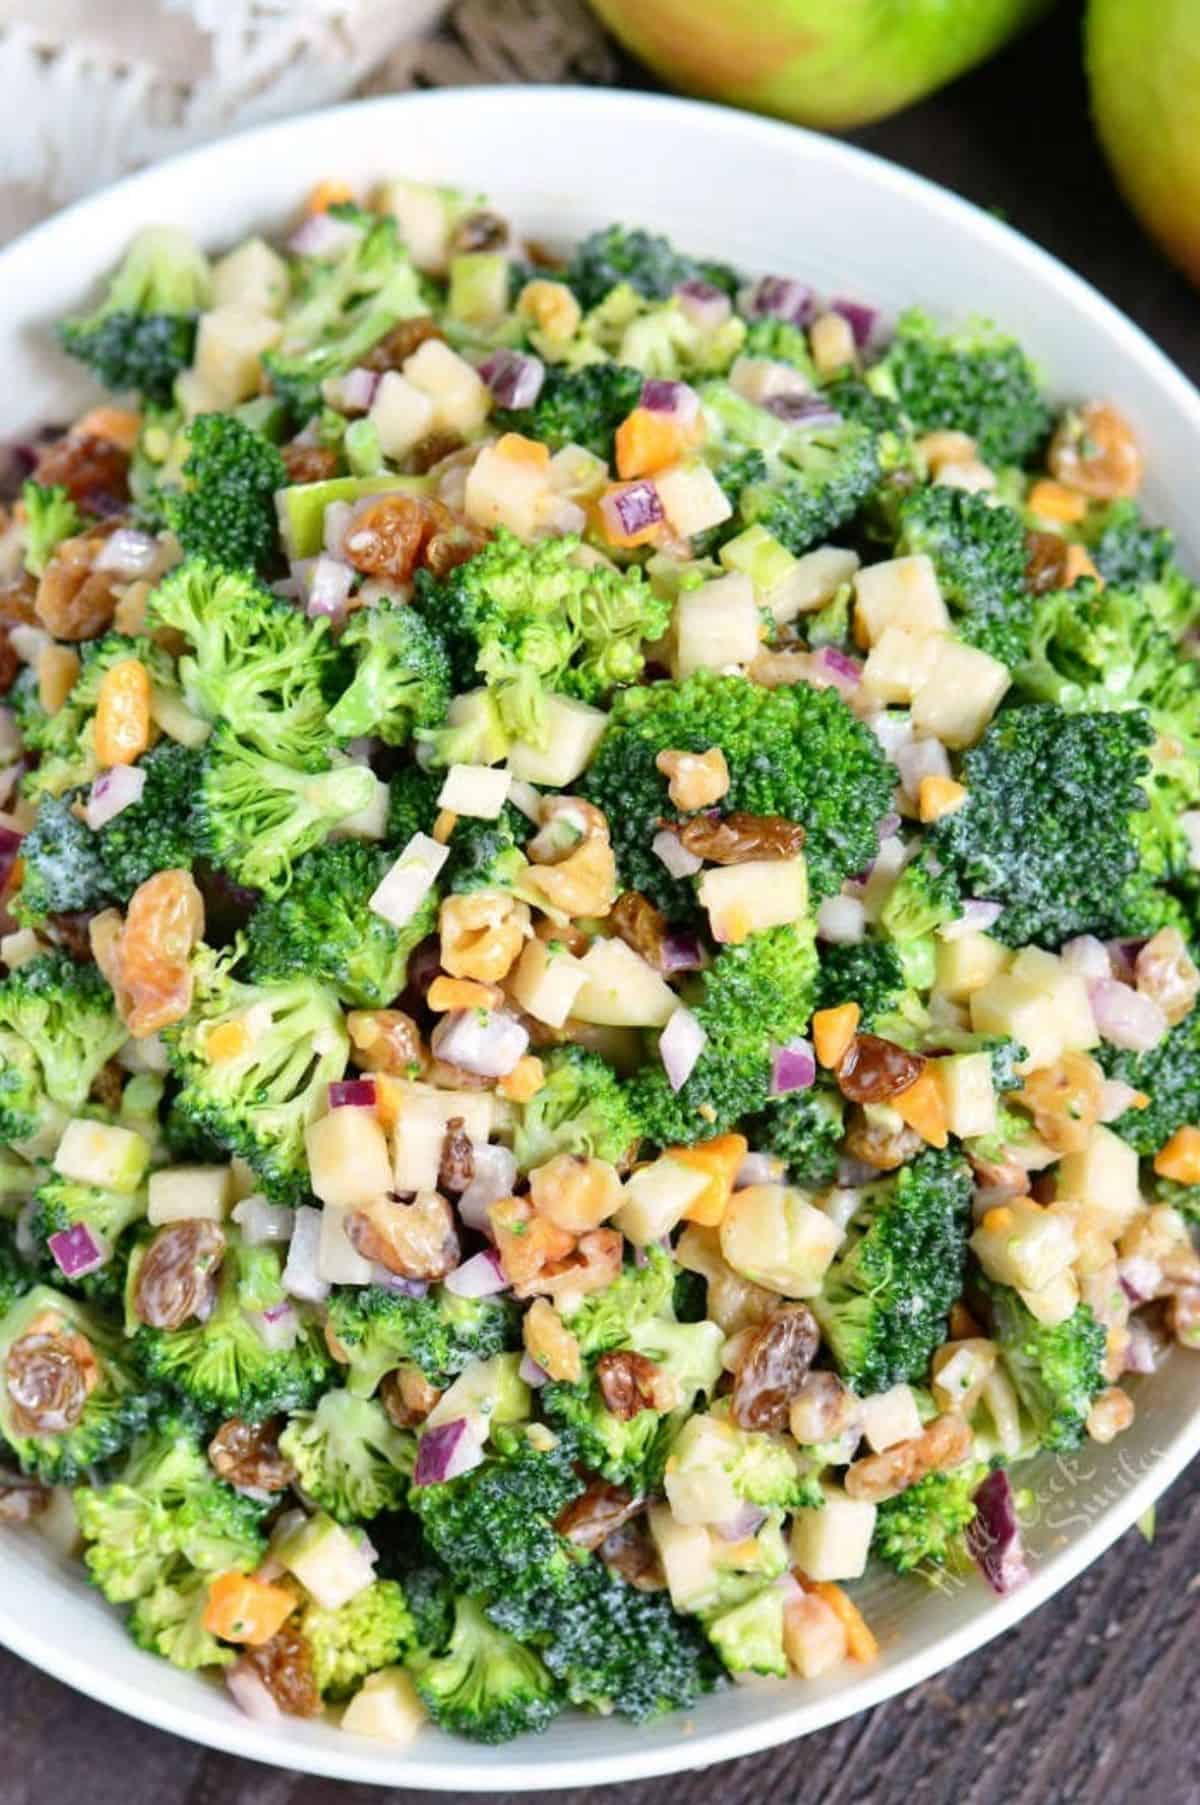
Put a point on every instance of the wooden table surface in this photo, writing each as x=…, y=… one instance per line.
x=1097, y=1697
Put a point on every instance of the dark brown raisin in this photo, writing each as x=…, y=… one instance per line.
x=457, y=1167
x=69, y=929
x=874, y=1069
x=640, y=925
x=391, y=351
x=734, y=839
x=10, y=664
x=407, y=1396
x=481, y=231
x=285, y=1667
x=177, y=1278
x=630, y=1553
x=309, y=463
x=428, y=452
x=247, y=1455
x=94, y=472
x=599, y=1511
x=1045, y=562
x=773, y=1368
x=107, y=1086
x=47, y=1374
x=629, y=1383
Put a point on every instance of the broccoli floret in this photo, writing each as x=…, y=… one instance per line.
x=371, y=1630
x=531, y=618
x=1169, y=1074
x=1057, y=1371
x=169, y=1621
x=412, y=803
x=582, y=1108
x=344, y=303
x=782, y=342
x=766, y=1470
x=50, y=515
x=888, y=1293
x=166, y=1505
x=144, y=331
x=257, y=1097
x=226, y=508
x=804, y=1129
x=99, y=1424
x=256, y=666
x=488, y=855
x=381, y=1330
x=222, y=1366
x=923, y=898
x=485, y=1685
x=605, y=1319
x=578, y=407
x=649, y=263
x=974, y=380
x=64, y=1013
x=349, y=1457
x=1126, y=550
x=155, y=832
x=978, y=551
x=749, y=1636
x=1047, y=825
x=925, y=1526
x=16, y=1275
x=62, y=868
x=255, y=816
x=65, y=740
x=321, y=927
x=402, y=679
x=795, y=751
x=61, y=1204
x=868, y=973
x=754, y=997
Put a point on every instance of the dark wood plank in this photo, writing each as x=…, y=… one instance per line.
x=1095, y=1700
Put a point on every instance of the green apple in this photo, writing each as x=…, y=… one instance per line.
x=828, y=63
x=1143, y=60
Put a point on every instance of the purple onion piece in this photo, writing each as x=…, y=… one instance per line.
x=793, y=1067
x=706, y=305
x=994, y=1535
x=683, y=951
x=352, y=1093
x=393, y=1281
x=779, y=298
x=636, y=507
x=860, y=318
x=447, y=1451
x=679, y=1047
x=802, y=410
x=742, y=1525
x=514, y=378
x=77, y=1251
x=534, y=1375
x=480, y=1276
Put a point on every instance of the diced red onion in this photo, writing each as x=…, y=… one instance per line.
x=486, y=1042
x=793, y=1067
x=495, y=1175
x=976, y=918
x=352, y=1093
x=514, y=378
x=757, y=1169
x=779, y=298
x=129, y=553
x=480, y=1276
x=1125, y=1017
x=853, y=1173
x=994, y=1535
x=764, y=380
x=669, y=849
x=301, y=1275
x=323, y=235
x=919, y=759
x=1087, y=957
x=705, y=305
x=352, y=393
x=682, y=951
x=860, y=318
x=1123, y=954
x=889, y=826
x=533, y=1374
x=448, y=1451
x=803, y=410
x=1139, y=1278
x=249, y=1694
x=387, y=1280
x=78, y=1250
x=679, y=1047
x=632, y=509
x=1146, y=1347
x=675, y=400
x=338, y=516
x=1115, y=1098
x=111, y=792
x=262, y=1222
x=277, y=1328
x=841, y=921
x=744, y=1523
x=329, y=586
x=842, y=671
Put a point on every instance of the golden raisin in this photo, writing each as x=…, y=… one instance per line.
x=164, y=921
x=178, y=1275
x=285, y=1667
x=397, y=346
x=596, y=1514
x=309, y=463
x=247, y=1455
x=874, y=1069
x=94, y=471
x=734, y=839
x=641, y=926
x=1094, y=451
x=773, y=1367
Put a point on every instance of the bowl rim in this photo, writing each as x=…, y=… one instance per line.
x=355, y=1759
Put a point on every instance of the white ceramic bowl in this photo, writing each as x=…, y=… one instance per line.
x=767, y=196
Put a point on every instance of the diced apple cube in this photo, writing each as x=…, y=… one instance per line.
x=475, y=790
x=622, y=990
x=1019, y=1243
x=253, y=275
x=812, y=581
x=1006, y=1006
x=903, y=592
x=348, y=1157
x=404, y=887
x=386, y=1706
x=19, y=947
x=692, y=498
x=338, y=1260
x=478, y=294
x=716, y=625
x=832, y=1543
x=775, y=1237
x=190, y=1194
x=1104, y=1176
x=460, y=397
x=486, y=1392
x=112, y=1159
x=898, y=664
x=698, y=1477
x=964, y=1082
x=744, y=899
x=960, y=694
x=574, y=730
x=425, y=216
x=193, y=396
x=814, y=1639
x=890, y=1416
x=369, y=823
x=474, y=712
x=230, y=343
x=333, y=1563
x=507, y=485
x=1067, y=990
x=401, y=413
x=968, y=963
x=547, y=982
x=655, y=1199
x=420, y=1129
x=1054, y=1302
x=686, y=1553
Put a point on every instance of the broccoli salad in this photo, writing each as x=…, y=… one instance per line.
x=597, y=1028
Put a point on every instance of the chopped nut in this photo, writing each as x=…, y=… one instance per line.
x=563, y=822
x=696, y=779
x=527, y=1243
x=74, y=601
x=1094, y=451
x=575, y=1193
x=407, y=1396
x=386, y=1040
x=417, y=1240
x=1064, y=1100
x=945, y=1443
x=457, y=1167
x=1165, y=973
x=582, y=884
x=482, y=934
x=549, y=1342
x=735, y=839
x=1111, y=1413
